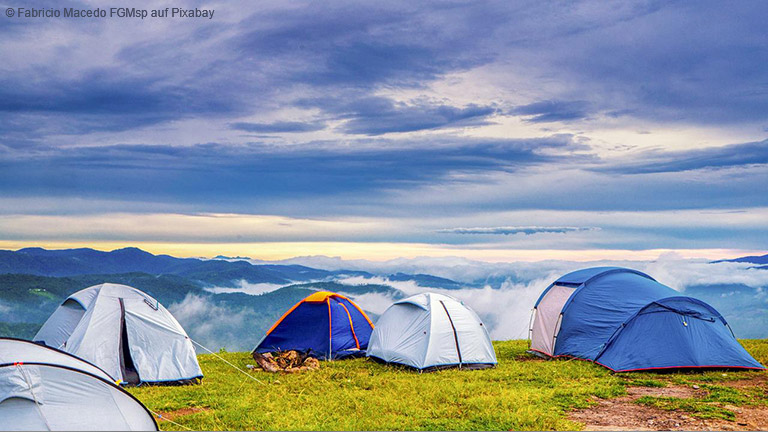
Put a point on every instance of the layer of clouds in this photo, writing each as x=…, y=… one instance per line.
x=171, y=70
x=504, y=309
x=734, y=155
x=502, y=294
x=245, y=287
x=552, y=111
x=281, y=126
x=507, y=292
x=405, y=109
x=530, y=230
x=213, y=325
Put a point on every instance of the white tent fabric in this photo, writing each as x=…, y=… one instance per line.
x=546, y=322
x=430, y=331
x=90, y=325
x=12, y=350
x=43, y=389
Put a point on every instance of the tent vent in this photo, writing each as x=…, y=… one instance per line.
x=153, y=306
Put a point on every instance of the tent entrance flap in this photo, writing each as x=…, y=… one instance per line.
x=547, y=317
x=127, y=367
x=453, y=327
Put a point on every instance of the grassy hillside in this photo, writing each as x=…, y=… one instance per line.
x=523, y=392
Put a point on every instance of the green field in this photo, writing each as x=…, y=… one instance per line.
x=523, y=392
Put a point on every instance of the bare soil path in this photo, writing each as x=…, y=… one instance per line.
x=625, y=413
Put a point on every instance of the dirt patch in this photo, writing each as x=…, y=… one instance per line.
x=750, y=417
x=760, y=380
x=529, y=358
x=624, y=414
x=669, y=391
x=173, y=415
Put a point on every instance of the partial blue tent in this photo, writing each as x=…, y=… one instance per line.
x=328, y=325
x=625, y=320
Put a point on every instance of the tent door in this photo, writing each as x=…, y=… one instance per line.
x=128, y=369
x=455, y=335
x=546, y=322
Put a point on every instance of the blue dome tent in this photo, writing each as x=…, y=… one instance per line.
x=625, y=320
x=326, y=324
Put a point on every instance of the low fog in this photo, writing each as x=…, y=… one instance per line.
x=501, y=293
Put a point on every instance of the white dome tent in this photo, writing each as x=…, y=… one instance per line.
x=45, y=389
x=126, y=333
x=431, y=331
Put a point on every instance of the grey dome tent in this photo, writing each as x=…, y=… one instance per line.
x=45, y=389
x=431, y=331
x=126, y=333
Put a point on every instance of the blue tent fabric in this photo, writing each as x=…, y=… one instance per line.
x=672, y=332
x=327, y=325
x=360, y=322
x=625, y=320
x=304, y=329
x=595, y=310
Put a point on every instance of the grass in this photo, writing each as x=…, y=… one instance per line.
x=522, y=393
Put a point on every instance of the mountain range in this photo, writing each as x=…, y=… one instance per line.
x=230, y=302
x=34, y=281
x=219, y=272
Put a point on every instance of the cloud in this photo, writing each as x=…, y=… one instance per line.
x=504, y=293
x=212, y=324
x=655, y=161
x=501, y=293
x=505, y=309
x=529, y=230
x=487, y=109
x=278, y=127
x=378, y=115
x=245, y=287
x=552, y=111
x=216, y=174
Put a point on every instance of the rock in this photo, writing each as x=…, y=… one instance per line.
x=696, y=387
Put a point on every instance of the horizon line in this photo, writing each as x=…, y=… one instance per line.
x=380, y=252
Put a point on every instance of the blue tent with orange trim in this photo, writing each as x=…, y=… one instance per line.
x=625, y=320
x=328, y=325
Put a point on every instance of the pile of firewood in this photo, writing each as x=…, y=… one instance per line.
x=286, y=361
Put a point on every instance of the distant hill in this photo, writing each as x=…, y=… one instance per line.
x=34, y=281
x=233, y=320
x=762, y=259
x=28, y=300
x=72, y=262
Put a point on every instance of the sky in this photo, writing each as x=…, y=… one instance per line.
x=491, y=131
